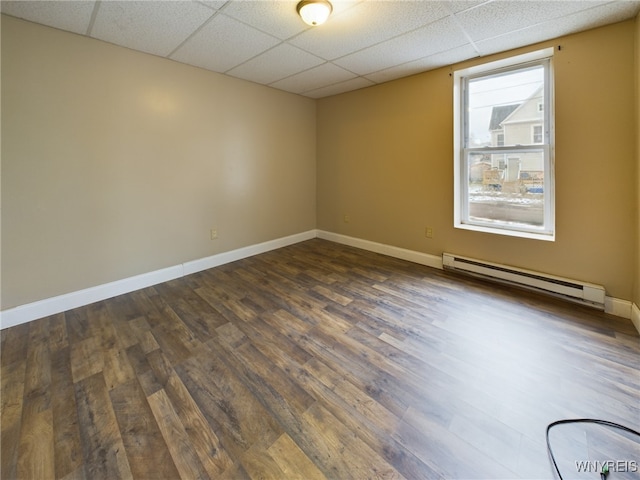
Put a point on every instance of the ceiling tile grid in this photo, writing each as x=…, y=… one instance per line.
x=341, y=87
x=436, y=37
x=151, y=27
x=314, y=78
x=430, y=62
x=367, y=23
x=498, y=17
x=70, y=16
x=276, y=64
x=364, y=42
x=222, y=44
x=597, y=16
x=270, y=17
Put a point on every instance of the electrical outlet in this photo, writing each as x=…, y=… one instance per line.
x=428, y=232
x=346, y=218
x=214, y=234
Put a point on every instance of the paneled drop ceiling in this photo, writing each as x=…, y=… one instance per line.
x=363, y=43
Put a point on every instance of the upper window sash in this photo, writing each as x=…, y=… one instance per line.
x=463, y=81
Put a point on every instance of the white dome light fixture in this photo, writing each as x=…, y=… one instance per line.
x=314, y=12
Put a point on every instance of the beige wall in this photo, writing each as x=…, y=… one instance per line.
x=385, y=159
x=116, y=163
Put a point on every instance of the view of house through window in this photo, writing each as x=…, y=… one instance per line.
x=503, y=165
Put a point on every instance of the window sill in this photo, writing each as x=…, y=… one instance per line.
x=547, y=237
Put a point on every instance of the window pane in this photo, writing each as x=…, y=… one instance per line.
x=537, y=134
x=506, y=189
x=503, y=107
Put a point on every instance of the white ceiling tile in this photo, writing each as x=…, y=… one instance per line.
x=431, y=62
x=340, y=6
x=222, y=44
x=215, y=4
x=156, y=27
x=338, y=88
x=434, y=38
x=265, y=41
x=365, y=24
x=499, y=17
x=275, y=64
x=314, y=78
x=276, y=17
x=509, y=41
x=587, y=19
x=459, y=5
x=70, y=16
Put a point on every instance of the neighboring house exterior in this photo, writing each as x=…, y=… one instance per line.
x=498, y=115
x=519, y=124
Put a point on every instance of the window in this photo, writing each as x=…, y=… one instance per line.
x=537, y=134
x=503, y=147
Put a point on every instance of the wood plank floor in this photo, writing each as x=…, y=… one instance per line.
x=318, y=361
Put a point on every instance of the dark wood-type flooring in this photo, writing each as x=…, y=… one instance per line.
x=318, y=361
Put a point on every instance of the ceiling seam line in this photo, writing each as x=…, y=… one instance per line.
x=192, y=34
x=387, y=40
x=304, y=92
x=281, y=42
x=465, y=33
x=94, y=15
x=297, y=73
x=411, y=61
x=338, y=83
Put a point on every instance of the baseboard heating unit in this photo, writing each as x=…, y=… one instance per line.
x=581, y=292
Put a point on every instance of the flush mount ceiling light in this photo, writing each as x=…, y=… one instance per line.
x=314, y=12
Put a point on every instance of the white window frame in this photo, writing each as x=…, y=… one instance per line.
x=462, y=150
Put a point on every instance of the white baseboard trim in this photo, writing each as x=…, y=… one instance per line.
x=635, y=316
x=61, y=303
x=617, y=307
x=612, y=305
x=245, y=252
x=397, y=252
x=51, y=306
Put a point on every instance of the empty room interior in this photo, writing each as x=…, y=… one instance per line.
x=398, y=241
